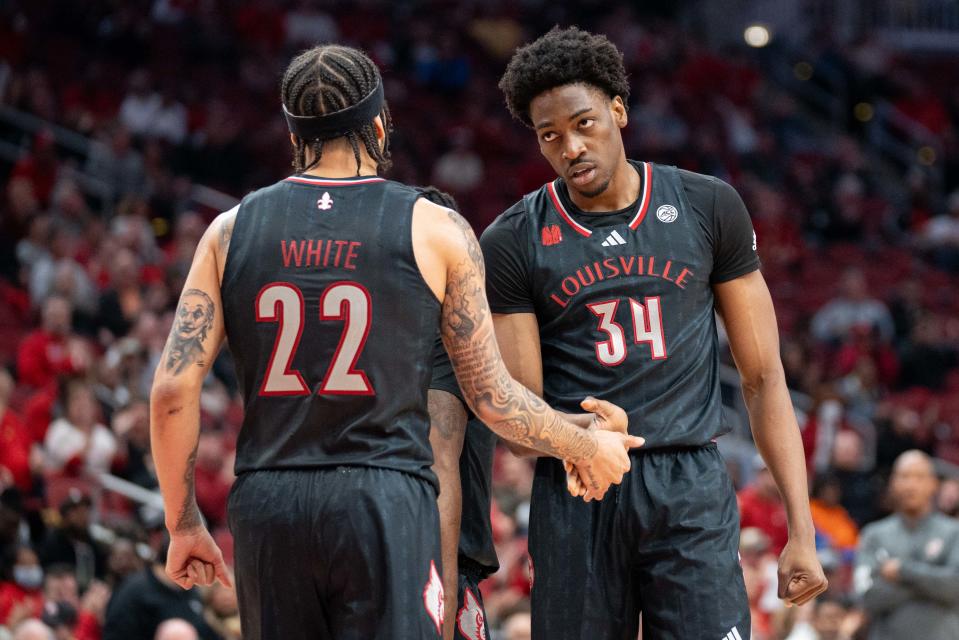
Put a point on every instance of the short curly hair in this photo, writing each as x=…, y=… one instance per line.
x=562, y=56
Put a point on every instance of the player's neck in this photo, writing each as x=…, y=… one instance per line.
x=623, y=190
x=338, y=161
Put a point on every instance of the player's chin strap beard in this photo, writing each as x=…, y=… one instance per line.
x=338, y=123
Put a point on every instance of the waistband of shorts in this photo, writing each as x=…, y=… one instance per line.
x=674, y=448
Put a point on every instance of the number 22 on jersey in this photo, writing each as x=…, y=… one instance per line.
x=282, y=302
x=647, y=328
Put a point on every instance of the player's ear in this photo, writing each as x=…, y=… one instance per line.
x=618, y=111
x=380, y=130
x=293, y=140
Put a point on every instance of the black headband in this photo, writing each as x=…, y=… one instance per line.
x=338, y=123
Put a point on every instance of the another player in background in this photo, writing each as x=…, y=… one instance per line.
x=463, y=449
x=330, y=285
x=606, y=280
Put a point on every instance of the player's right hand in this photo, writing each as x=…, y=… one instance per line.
x=194, y=559
x=608, y=465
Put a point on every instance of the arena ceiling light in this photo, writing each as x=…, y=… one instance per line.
x=757, y=35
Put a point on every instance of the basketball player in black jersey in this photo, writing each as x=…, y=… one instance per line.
x=330, y=286
x=463, y=462
x=605, y=281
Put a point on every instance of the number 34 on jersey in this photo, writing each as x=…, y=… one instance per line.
x=647, y=321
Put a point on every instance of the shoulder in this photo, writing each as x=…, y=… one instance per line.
x=708, y=193
x=512, y=221
x=944, y=522
x=880, y=528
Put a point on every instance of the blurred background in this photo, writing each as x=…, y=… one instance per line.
x=126, y=126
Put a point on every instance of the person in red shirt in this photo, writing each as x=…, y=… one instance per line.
x=761, y=506
x=51, y=350
x=40, y=167
x=15, y=443
x=21, y=596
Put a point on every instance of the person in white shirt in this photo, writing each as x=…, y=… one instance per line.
x=78, y=441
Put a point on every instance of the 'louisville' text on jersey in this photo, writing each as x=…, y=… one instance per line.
x=320, y=253
x=620, y=267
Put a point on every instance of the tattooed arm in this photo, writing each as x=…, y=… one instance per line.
x=449, y=255
x=191, y=347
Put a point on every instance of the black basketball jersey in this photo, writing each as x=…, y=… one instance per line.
x=331, y=325
x=624, y=299
x=476, y=476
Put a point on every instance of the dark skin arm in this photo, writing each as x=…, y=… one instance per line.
x=447, y=430
x=747, y=311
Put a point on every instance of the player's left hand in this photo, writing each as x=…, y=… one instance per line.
x=801, y=577
x=607, y=417
x=194, y=559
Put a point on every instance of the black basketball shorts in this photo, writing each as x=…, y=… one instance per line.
x=664, y=543
x=350, y=553
x=470, y=614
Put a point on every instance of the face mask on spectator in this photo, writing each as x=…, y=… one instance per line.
x=28, y=577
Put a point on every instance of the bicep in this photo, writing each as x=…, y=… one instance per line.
x=198, y=327
x=518, y=337
x=747, y=311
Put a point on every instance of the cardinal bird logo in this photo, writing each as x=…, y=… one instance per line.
x=470, y=619
x=433, y=598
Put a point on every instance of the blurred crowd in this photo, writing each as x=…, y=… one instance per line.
x=862, y=262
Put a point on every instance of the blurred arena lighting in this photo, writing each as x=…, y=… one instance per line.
x=757, y=35
x=863, y=112
x=802, y=71
x=927, y=156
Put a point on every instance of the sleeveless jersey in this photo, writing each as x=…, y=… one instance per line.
x=624, y=300
x=331, y=325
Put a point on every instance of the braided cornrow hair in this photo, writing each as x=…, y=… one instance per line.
x=329, y=78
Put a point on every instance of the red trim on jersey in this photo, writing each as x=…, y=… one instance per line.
x=344, y=315
x=647, y=196
x=278, y=311
x=334, y=182
x=580, y=229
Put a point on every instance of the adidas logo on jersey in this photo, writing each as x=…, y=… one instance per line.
x=733, y=635
x=614, y=239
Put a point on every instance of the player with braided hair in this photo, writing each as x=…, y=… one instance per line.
x=331, y=285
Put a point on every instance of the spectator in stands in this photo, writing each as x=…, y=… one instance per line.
x=33, y=629
x=16, y=447
x=176, y=629
x=859, y=485
x=907, y=569
x=947, y=500
x=52, y=349
x=72, y=545
x=759, y=575
x=78, y=442
x=40, y=167
x=56, y=271
x=518, y=626
x=926, y=357
x=852, y=307
x=761, y=506
x=60, y=584
x=121, y=304
x=122, y=561
x=21, y=591
x=148, y=598
x=832, y=521
x=117, y=163
x=832, y=619
x=140, y=106
x=940, y=236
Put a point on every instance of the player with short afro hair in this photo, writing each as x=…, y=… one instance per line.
x=562, y=56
